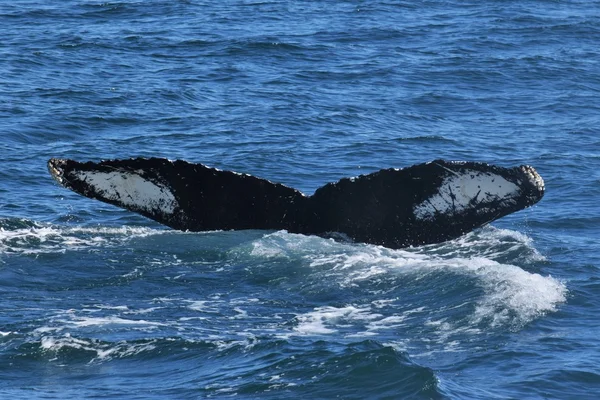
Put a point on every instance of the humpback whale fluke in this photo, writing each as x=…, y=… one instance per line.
x=422, y=204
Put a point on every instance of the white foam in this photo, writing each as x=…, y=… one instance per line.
x=362, y=321
x=314, y=323
x=111, y=320
x=393, y=321
x=514, y=296
x=241, y=313
x=51, y=239
x=205, y=306
x=511, y=295
x=265, y=251
x=131, y=190
x=511, y=298
x=460, y=191
x=489, y=242
x=104, y=351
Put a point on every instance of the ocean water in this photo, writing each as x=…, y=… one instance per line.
x=100, y=303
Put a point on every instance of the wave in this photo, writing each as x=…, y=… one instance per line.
x=318, y=370
x=489, y=269
x=234, y=291
x=21, y=236
x=480, y=270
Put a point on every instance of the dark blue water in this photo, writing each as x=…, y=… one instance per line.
x=101, y=303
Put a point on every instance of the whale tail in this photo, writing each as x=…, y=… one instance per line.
x=422, y=204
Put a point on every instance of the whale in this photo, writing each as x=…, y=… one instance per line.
x=422, y=204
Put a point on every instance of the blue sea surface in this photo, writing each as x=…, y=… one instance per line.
x=98, y=302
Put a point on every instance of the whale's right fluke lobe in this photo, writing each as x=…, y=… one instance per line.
x=425, y=203
x=422, y=204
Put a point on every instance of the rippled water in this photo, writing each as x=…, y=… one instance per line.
x=98, y=302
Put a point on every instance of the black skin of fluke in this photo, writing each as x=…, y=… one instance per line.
x=378, y=208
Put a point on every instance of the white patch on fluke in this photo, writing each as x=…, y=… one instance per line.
x=460, y=191
x=131, y=190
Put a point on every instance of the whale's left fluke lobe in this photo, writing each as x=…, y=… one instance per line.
x=182, y=195
x=425, y=203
